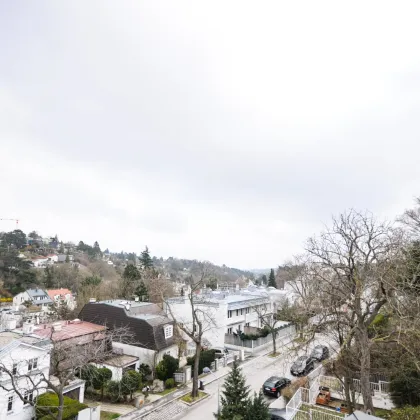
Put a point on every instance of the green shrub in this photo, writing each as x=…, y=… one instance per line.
x=170, y=383
x=115, y=391
x=130, y=382
x=166, y=368
x=145, y=372
x=207, y=357
x=48, y=401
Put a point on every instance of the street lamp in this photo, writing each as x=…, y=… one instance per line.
x=208, y=370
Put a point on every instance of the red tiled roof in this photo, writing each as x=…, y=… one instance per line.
x=55, y=292
x=70, y=330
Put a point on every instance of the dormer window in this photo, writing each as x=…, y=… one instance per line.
x=169, y=331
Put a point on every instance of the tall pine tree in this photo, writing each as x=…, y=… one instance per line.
x=234, y=398
x=257, y=408
x=272, y=279
x=145, y=259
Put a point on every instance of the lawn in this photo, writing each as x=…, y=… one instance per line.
x=188, y=399
x=166, y=391
x=107, y=415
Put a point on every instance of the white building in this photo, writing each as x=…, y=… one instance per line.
x=25, y=357
x=226, y=312
x=37, y=297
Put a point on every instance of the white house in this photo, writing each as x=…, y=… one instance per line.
x=226, y=312
x=25, y=357
x=37, y=297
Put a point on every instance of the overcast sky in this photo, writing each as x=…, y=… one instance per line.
x=227, y=131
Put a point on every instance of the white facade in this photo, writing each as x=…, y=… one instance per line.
x=149, y=357
x=42, y=301
x=60, y=296
x=24, y=359
x=227, y=312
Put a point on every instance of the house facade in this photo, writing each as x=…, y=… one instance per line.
x=226, y=311
x=152, y=333
x=37, y=297
x=62, y=296
x=25, y=357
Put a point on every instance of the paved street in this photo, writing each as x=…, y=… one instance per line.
x=256, y=373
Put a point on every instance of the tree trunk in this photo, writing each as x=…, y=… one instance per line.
x=194, y=392
x=364, y=346
x=347, y=393
x=60, y=405
x=273, y=336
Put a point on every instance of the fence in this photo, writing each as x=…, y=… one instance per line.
x=251, y=344
x=179, y=377
x=294, y=404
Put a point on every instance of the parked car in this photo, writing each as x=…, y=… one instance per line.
x=274, y=385
x=220, y=352
x=277, y=414
x=302, y=366
x=320, y=352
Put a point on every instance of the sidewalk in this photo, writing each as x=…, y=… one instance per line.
x=208, y=379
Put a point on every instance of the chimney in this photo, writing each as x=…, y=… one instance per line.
x=56, y=327
x=92, y=300
x=136, y=299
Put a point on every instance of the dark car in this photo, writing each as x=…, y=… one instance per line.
x=274, y=385
x=320, y=352
x=302, y=366
x=277, y=414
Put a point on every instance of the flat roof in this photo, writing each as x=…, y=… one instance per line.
x=120, y=360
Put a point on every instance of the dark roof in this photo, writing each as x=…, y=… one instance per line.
x=147, y=330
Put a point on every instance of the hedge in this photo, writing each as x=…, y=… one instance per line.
x=70, y=410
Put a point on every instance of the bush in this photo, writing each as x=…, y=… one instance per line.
x=291, y=389
x=115, y=390
x=166, y=368
x=170, y=383
x=48, y=401
x=130, y=382
x=145, y=372
x=207, y=357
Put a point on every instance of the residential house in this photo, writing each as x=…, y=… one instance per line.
x=62, y=296
x=63, y=257
x=40, y=262
x=226, y=311
x=119, y=364
x=37, y=297
x=153, y=333
x=25, y=357
x=70, y=336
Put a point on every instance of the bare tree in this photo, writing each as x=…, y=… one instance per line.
x=200, y=321
x=351, y=266
x=66, y=361
x=270, y=320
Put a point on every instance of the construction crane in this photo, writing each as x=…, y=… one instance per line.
x=12, y=220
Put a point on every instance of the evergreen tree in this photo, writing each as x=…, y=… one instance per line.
x=263, y=279
x=141, y=292
x=97, y=249
x=145, y=259
x=257, y=408
x=272, y=279
x=131, y=273
x=49, y=280
x=234, y=398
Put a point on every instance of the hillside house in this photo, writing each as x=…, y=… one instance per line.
x=62, y=296
x=37, y=297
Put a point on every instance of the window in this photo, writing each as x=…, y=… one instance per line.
x=29, y=395
x=242, y=311
x=14, y=369
x=169, y=331
x=247, y=311
x=229, y=314
x=10, y=404
x=230, y=330
x=237, y=312
x=32, y=364
x=247, y=324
